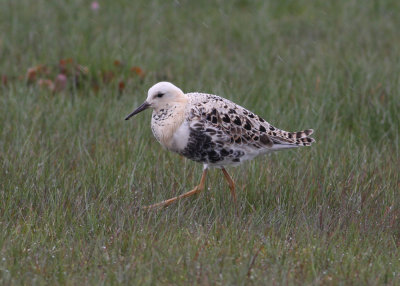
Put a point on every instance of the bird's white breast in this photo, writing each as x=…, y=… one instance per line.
x=180, y=137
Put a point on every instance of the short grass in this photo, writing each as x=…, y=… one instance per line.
x=74, y=173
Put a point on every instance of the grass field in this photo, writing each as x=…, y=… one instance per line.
x=73, y=173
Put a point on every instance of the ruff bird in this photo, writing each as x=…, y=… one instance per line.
x=212, y=130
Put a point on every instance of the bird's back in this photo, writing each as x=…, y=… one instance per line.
x=224, y=133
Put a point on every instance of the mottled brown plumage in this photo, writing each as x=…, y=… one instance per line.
x=213, y=130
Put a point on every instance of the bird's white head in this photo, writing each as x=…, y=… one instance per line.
x=161, y=95
x=164, y=93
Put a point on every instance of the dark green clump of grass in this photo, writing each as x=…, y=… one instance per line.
x=74, y=174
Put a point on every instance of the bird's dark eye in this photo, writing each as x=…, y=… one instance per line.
x=160, y=94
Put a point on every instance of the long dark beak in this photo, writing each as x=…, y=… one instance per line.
x=144, y=106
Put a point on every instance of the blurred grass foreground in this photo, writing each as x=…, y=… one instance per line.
x=74, y=174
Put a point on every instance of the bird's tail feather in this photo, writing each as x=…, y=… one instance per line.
x=302, y=134
x=286, y=140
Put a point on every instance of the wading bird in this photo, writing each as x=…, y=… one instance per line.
x=212, y=130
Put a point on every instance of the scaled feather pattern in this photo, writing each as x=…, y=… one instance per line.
x=213, y=130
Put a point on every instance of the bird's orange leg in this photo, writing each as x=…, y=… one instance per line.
x=231, y=184
x=196, y=190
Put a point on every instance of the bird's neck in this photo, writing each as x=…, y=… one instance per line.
x=165, y=121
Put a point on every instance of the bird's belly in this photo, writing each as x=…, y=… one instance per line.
x=213, y=151
x=236, y=158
